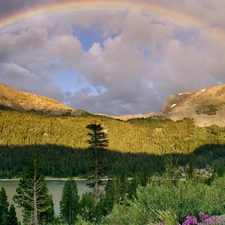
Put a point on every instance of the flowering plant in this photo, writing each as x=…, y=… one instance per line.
x=205, y=219
x=190, y=221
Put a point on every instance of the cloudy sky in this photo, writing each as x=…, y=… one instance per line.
x=115, y=56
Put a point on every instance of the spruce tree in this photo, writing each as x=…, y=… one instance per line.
x=3, y=207
x=111, y=194
x=12, y=219
x=98, y=142
x=32, y=195
x=87, y=206
x=69, y=204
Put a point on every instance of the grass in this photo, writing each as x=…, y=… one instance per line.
x=5, y=98
x=212, y=110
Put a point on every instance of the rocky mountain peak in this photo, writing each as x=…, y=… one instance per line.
x=205, y=106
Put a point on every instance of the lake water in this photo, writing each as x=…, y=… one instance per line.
x=54, y=186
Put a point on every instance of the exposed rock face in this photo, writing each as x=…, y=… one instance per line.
x=206, y=106
x=23, y=101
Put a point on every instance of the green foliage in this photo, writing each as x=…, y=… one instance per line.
x=7, y=216
x=132, y=147
x=128, y=213
x=69, y=204
x=21, y=96
x=215, y=195
x=5, y=98
x=167, y=217
x=98, y=142
x=116, y=191
x=4, y=204
x=12, y=219
x=32, y=195
x=81, y=221
x=212, y=109
x=169, y=202
x=87, y=206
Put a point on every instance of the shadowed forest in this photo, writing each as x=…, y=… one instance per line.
x=62, y=161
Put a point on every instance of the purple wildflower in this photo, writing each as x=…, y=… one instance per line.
x=205, y=218
x=190, y=221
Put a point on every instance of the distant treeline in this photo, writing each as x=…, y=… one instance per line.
x=135, y=146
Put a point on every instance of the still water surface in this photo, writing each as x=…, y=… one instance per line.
x=54, y=186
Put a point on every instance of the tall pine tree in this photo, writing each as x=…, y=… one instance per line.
x=33, y=197
x=4, y=204
x=12, y=219
x=98, y=142
x=69, y=204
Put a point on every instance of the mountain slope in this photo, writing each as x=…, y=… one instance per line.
x=206, y=106
x=22, y=101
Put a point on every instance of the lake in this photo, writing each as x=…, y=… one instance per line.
x=54, y=186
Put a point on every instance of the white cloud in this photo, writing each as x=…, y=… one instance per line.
x=139, y=59
x=96, y=49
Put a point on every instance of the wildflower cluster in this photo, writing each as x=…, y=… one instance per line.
x=190, y=221
x=205, y=219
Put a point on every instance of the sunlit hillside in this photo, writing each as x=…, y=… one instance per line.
x=135, y=144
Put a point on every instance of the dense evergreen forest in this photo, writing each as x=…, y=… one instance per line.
x=135, y=146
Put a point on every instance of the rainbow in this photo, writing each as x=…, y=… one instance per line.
x=160, y=11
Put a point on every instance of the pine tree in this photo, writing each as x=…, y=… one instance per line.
x=111, y=194
x=12, y=219
x=32, y=195
x=87, y=206
x=98, y=142
x=3, y=207
x=69, y=204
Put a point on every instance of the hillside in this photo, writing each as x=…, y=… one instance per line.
x=135, y=145
x=206, y=106
x=22, y=101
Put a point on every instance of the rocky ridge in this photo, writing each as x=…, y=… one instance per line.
x=22, y=101
x=205, y=106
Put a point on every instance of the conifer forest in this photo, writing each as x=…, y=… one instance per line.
x=155, y=170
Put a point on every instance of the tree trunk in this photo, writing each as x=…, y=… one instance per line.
x=35, y=199
x=96, y=180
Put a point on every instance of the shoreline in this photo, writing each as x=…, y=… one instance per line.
x=53, y=178
x=47, y=179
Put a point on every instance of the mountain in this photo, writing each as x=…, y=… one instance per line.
x=206, y=106
x=22, y=101
x=130, y=116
